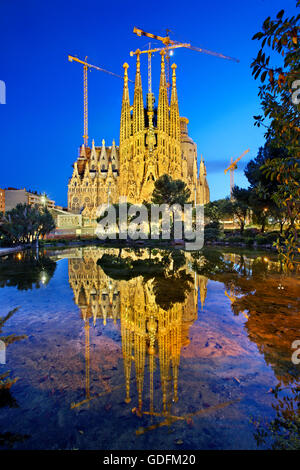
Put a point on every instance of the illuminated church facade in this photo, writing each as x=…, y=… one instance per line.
x=153, y=141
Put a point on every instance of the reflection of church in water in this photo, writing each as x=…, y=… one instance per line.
x=149, y=333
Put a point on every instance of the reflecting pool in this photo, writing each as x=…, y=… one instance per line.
x=148, y=349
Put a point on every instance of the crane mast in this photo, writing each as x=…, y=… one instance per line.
x=85, y=106
x=232, y=167
x=86, y=67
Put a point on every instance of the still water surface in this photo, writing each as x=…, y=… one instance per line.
x=143, y=349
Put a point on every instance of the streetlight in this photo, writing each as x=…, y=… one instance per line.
x=44, y=199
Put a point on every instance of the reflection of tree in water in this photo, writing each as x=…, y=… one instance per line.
x=170, y=283
x=25, y=271
x=210, y=263
x=5, y=381
x=282, y=432
x=6, y=398
x=268, y=299
x=173, y=284
x=272, y=316
x=254, y=284
x=270, y=302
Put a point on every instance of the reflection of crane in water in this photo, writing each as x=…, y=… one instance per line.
x=170, y=419
x=88, y=396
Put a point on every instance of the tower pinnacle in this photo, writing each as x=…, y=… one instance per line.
x=163, y=105
x=174, y=109
x=138, y=105
x=125, y=126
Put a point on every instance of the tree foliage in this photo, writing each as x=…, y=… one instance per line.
x=240, y=205
x=280, y=101
x=169, y=191
x=26, y=223
x=218, y=210
x=280, y=90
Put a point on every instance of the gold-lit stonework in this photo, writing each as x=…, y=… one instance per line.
x=152, y=337
x=153, y=141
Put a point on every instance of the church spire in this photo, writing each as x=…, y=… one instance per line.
x=125, y=112
x=203, y=188
x=163, y=105
x=103, y=159
x=82, y=152
x=93, y=151
x=174, y=109
x=202, y=169
x=138, y=105
x=176, y=162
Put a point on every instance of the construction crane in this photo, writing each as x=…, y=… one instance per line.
x=86, y=67
x=232, y=167
x=168, y=42
x=150, y=52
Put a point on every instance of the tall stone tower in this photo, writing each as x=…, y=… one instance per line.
x=153, y=141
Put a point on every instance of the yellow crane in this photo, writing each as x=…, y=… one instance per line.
x=232, y=167
x=169, y=45
x=86, y=67
x=150, y=52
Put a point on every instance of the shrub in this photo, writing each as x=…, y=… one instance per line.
x=236, y=239
x=251, y=232
x=213, y=225
x=211, y=234
x=260, y=239
x=271, y=237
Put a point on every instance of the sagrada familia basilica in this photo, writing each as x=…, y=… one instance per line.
x=153, y=142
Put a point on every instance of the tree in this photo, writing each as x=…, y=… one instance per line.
x=218, y=210
x=259, y=208
x=261, y=199
x=169, y=191
x=280, y=100
x=26, y=223
x=240, y=205
x=46, y=221
x=254, y=172
x=279, y=94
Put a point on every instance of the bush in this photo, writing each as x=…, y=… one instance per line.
x=271, y=237
x=236, y=239
x=251, y=232
x=213, y=225
x=260, y=239
x=211, y=234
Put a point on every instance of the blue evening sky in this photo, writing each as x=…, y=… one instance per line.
x=41, y=124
